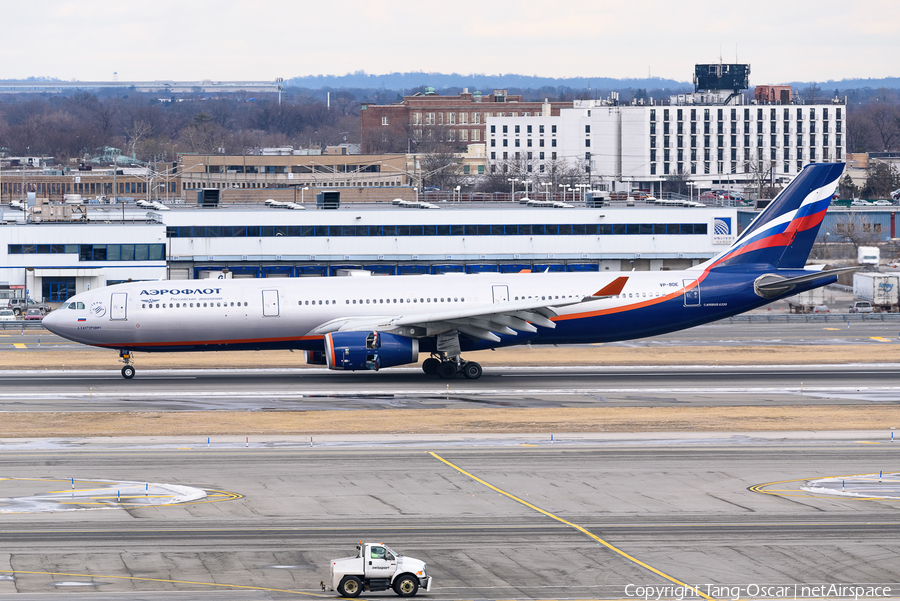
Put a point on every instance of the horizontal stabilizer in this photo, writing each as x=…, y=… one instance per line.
x=772, y=285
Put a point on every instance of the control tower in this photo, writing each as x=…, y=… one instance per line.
x=720, y=77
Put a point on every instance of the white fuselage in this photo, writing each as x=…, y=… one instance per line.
x=283, y=313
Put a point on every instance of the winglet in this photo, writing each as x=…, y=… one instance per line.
x=614, y=288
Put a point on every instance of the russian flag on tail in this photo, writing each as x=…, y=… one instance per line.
x=783, y=234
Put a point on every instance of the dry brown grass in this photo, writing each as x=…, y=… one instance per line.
x=581, y=355
x=435, y=421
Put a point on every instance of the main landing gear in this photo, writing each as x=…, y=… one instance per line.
x=128, y=371
x=447, y=368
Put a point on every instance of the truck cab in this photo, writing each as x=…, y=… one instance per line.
x=862, y=307
x=376, y=567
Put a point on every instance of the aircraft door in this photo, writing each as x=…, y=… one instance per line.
x=381, y=562
x=501, y=294
x=117, y=306
x=270, y=303
x=691, y=293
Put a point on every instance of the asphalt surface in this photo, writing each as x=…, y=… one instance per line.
x=409, y=388
x=316, y=389
x=685, y=510
x=722, y=333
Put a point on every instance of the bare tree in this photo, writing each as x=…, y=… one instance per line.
x=857, y=228
x=134, y=133
x=440, y=169
x=884, y=118
x=812, y=93
x=861, y=135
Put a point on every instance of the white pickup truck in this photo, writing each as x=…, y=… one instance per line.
x=377, y=568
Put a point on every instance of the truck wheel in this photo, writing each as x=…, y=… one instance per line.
x=406, y=585
x=350, y=586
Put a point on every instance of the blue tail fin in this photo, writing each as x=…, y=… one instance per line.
x=783, y=234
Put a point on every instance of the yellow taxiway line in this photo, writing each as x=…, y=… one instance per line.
x=575, y=526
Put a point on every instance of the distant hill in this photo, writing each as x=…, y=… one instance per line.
x=486, y=83
x=852, y=84
x=481, y=82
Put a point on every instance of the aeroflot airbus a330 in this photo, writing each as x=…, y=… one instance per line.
x=351, y=324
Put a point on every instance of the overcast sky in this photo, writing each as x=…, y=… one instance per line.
x=783, y=40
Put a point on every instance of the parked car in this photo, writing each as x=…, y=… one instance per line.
x=34, y=314
x=862, y=307
x=7, y=315
x=821, y=309
x=21, y=305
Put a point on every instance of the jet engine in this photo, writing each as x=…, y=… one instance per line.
x=369, y=350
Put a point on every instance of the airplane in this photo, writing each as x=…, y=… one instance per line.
x=379, y=322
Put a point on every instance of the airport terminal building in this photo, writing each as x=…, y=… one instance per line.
x=55, y=260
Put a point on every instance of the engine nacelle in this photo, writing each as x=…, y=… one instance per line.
x=369, y=350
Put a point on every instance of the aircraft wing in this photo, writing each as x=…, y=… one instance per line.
x=483, y=321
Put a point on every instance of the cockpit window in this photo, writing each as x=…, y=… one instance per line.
x=81, y=305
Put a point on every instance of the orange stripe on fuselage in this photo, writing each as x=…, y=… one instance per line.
x=646, y=303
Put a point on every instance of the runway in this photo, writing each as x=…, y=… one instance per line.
x=409, y=388
x=486, y=520
x=721, y=333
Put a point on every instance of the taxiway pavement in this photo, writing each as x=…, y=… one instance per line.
x=523, y=522
x=409, y=388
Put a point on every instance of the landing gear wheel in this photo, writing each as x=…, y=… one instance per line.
x=447, y=370
x=350, y=586
x=406, y=586
x=472, y=370
x=128, y=372
x=430, y=366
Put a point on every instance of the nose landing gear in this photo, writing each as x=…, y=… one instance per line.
x=128, y=371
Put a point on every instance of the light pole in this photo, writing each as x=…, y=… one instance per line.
x=581, y=190
x=563, y=186
x=512, y=188
x=458, y=193
x=547, y=189
x=526, y=183
x=691, y=186
x=302, y=190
